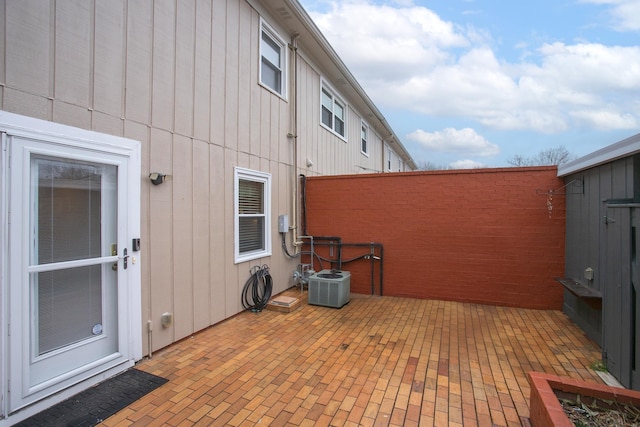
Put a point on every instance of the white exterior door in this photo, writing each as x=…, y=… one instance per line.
x=73, y=282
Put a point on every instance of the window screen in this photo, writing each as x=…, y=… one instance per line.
x=251, y=216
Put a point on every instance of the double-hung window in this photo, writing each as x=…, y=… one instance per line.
x=364, y=138
x=273, y=60
x=252, y=214
x=333, y=112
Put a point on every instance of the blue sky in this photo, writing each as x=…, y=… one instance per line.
x=472, y=83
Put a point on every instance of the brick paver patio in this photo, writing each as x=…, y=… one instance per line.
x=376, y=361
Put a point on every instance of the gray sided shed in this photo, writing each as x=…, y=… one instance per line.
x=603, y=211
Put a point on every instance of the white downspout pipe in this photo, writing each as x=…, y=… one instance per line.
x=293, y=135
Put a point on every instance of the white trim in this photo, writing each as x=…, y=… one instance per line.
x=56, y=133
x=284, y=53
x=4, y=231
x=257, y=176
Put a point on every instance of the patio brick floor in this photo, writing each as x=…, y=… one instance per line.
x=376, y=361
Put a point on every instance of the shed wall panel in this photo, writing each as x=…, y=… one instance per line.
x=585, y=233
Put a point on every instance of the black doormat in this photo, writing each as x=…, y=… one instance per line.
x=94, y=405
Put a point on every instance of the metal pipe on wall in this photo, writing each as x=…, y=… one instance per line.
x=293, y=135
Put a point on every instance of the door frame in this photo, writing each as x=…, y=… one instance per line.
x=131, y=301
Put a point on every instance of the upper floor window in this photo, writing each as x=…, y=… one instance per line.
x=389, y=154
x=364, y=138
x=252, y=214
x=272, y=60
x=333, y=112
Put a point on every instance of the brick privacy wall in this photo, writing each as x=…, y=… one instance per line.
x=483, y=235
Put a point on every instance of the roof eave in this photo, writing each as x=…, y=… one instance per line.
x=618, y=150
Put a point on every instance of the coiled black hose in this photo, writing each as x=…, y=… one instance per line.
x=257, y=290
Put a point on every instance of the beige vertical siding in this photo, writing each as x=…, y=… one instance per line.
x=161, y=250
x=202, y=70
x=202, y=231
x=28, y=46
x=109, y=62
x=330, y=154
x=181, y=76
x=73, y=60
x=138, y=59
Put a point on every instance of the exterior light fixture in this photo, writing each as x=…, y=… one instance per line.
x=157, y=178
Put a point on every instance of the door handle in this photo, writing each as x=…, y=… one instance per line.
x=124, y=258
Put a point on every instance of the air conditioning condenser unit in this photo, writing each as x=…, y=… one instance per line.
x=330, y=288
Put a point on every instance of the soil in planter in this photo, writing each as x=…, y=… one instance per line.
x=585, y=411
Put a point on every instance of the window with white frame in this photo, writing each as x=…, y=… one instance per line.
x=389, y=154
x=273, y=60
x=364, y=138
x=252, y=214
x=333, y=111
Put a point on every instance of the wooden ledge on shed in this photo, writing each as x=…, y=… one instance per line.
x=590, y=295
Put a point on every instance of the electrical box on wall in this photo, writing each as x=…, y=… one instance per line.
x=283, y=223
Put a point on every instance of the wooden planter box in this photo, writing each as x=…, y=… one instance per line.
x=546, y=410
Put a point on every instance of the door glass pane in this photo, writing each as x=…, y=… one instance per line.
x=69, y=198
x=74, y=207
x=69, y=306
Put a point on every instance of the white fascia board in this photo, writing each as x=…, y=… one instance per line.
x=624, y=148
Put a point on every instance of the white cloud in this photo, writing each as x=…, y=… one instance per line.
x=625, y=14
x=465, y=141
x=603, y=120
x=410, y=59
x=466, y=164
x=392, y=43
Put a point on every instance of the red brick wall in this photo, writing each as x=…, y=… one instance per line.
x=483, y=235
